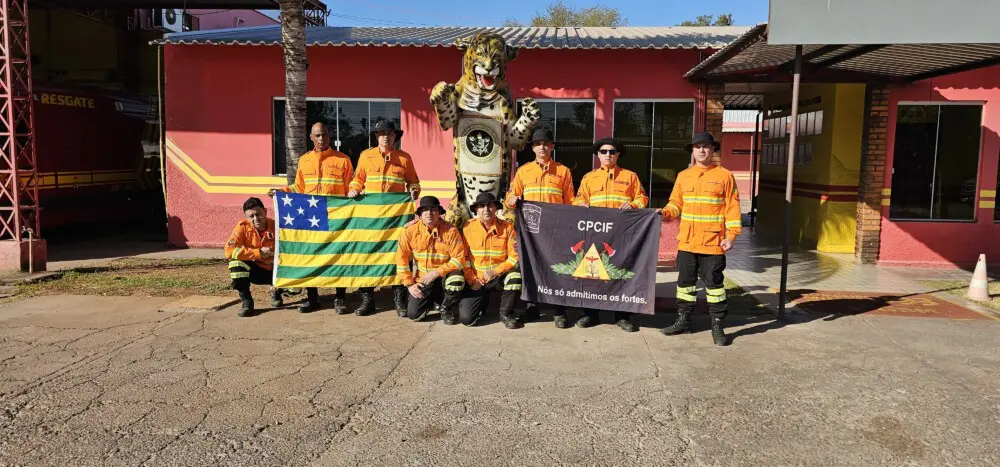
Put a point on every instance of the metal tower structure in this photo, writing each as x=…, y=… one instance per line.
x=18, y=173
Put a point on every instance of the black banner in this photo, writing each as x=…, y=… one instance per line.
x=580, y=257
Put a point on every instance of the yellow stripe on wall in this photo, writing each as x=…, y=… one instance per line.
x=259, y=185
x=988, y=193
x=987, y=204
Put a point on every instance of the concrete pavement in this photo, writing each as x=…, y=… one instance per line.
x=111, y=381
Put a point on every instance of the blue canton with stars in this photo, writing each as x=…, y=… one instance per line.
x=302, y=212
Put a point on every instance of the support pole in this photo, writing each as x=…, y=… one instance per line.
x=792, y=141
x=754, y=158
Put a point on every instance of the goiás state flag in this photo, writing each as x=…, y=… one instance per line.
x=334, y=241
x=598, y=258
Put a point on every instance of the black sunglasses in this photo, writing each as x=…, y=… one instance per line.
x=608, y=151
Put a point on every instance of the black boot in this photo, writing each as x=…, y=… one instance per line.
x=624, y=321
x=312, y=301
x=509, y=321
x=246, y=310
x=367, y=306
x=718, y=335
x=589, y=318
x=530, y=313
x=683, y=324
x=399, y=295
x=559, y=317
x=447, y=317
x=339, y=305
x=276, y=300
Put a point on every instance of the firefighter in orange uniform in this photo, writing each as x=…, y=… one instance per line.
x=610, y=186
x=491, y=264
x=250, y=250
x=706, y=199
x=439, y=252
x=384, y=169
x=322, y=171
x=546, y=181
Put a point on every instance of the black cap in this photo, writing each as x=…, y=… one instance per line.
x=542, y=134
x=387, y=125
x=485, y=198
x=611, y=141
x=429, y=202
x=703, y=138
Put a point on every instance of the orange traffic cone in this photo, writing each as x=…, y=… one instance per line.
x=977, y=288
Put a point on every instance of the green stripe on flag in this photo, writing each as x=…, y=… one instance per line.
x=369, y=223
x=373, y=199
x=338, y=248
x=299, y=272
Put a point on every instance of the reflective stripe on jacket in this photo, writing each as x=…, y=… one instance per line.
x=550, y=184
x=489, y=249
x=610, y=188
x=393, y=173
x=325, y=173
x=708, y=203
x=245, y=242
x=441, y=248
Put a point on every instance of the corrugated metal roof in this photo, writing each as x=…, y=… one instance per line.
x=679, y=37
x=739, y=121
x=751, y=58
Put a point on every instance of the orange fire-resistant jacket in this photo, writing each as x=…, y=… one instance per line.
x=392, y=173
x=548, y=184
x=441, y=248
x=245, y=243
x=609, y=188
x=323, y=173
x=489, y=249
x=708, y=203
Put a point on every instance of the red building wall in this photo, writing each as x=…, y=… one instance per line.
x=947, y=244
x=219, y=98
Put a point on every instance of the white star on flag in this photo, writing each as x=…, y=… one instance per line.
x=286, y=200
x=312, y=202
x=288, y=219
x=314, y=221
x=301, y=211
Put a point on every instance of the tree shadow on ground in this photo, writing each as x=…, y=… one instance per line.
x=825, y=310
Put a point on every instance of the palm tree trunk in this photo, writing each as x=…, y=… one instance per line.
x=293, y=41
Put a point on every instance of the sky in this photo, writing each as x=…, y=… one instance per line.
x=458, y=13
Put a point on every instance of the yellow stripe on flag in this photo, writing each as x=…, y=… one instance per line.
x=291, y=259
x=308, y=236
x=370, y=211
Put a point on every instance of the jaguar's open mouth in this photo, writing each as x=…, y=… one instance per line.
x=487, y=80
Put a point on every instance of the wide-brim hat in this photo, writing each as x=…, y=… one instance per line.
x=609, y=140
x=429, y=202
x=486, y=198
x=386, y=125
x=542, y=134
x=703, y=138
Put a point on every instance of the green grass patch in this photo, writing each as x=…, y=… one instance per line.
x=961, y=288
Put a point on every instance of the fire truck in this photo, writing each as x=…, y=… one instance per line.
x=98, y=158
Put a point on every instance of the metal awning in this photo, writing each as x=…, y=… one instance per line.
x=750, y=59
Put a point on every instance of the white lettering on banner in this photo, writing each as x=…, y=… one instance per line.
x=584, y=226
x=590, y=296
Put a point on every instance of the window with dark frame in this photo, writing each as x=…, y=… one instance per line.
x=654, y=135
x=935, y=162
x=349, y=122
x=572, y=125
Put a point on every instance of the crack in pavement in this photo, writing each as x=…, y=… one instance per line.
x=355, y=409
x=83, y=361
